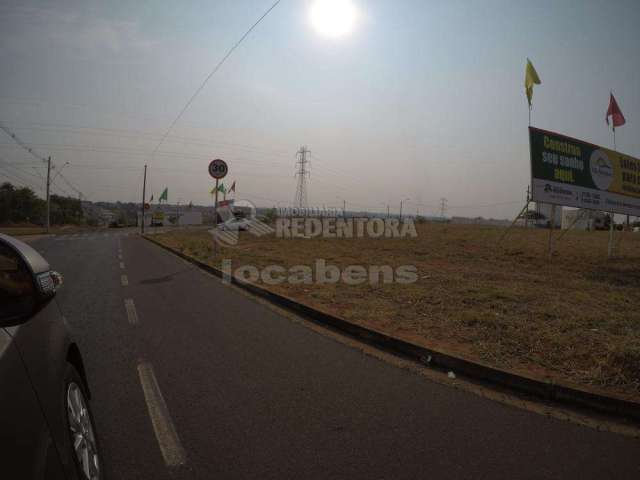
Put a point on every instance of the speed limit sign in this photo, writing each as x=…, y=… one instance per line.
x=218, y=168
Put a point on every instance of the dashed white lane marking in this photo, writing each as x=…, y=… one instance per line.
x=130, y=307
x=166, y=434
x=124, y=280
x=121, y=264
x=119, y=256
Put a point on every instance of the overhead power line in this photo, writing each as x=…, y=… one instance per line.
x=136, y=134
x=70, y=185
x=206, y=80
x=21, y=143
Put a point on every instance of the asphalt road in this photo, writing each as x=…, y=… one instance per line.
x=193, y=380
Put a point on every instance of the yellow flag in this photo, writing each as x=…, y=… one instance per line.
x=530, y=78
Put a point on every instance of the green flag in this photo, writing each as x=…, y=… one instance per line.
x=221, y=188
x=165, y=195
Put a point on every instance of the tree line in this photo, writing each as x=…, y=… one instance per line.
x=20, y=205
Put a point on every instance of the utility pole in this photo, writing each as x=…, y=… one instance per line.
x=611, y=227
x=302, y=173
x=48, y=197
x=443, y=206
x=387, y=210
x=144, y=198
x=344, y=210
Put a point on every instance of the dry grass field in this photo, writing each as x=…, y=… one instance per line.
x=572, y=318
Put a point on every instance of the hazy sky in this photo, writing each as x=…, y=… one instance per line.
x=422, y=100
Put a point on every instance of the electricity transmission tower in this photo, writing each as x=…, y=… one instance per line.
x=443, y=206
x=302, y=172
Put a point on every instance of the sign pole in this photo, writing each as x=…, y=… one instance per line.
x=215, y=215
x=217, y=169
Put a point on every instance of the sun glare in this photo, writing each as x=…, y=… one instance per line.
x=333, y=18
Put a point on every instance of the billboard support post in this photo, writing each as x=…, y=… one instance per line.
x=504, y=234
x=526, y=215
x=552, y=222
x=577, y=218
x=610, y=246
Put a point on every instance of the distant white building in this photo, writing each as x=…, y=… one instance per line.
x=544, y=215
x=583, y=219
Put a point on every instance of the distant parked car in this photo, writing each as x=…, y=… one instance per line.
x=46, y=427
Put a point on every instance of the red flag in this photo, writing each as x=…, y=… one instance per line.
x=615, y=113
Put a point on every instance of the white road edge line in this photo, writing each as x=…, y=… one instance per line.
x=121, y=264
x=124, y=280
x=166, y=434
x=130, y=307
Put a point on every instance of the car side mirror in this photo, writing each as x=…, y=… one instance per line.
x=27, y=282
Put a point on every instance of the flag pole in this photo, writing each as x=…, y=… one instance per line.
x=611, y=214
x=529, y=114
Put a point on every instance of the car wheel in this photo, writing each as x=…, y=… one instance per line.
x=84, y=444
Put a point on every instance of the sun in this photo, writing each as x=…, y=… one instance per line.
x=333, y=18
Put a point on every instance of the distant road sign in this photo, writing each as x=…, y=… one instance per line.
x=147, y=206
x=218, y=168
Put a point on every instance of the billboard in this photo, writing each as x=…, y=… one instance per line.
x=573, y=173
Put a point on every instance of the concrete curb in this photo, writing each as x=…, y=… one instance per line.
x=542, y=390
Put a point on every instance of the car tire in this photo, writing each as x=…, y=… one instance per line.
x=84, y=446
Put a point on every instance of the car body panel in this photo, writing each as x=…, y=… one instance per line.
x=43, y=345
x=43, y=342
x=27, y=449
